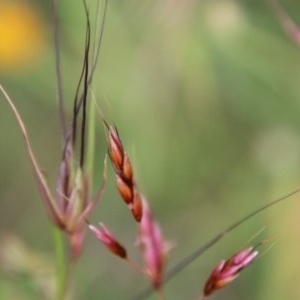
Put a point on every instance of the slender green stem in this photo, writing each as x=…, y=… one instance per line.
x=61, y=264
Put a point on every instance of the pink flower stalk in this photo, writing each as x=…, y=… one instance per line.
x=76, y=240
x=153, y=246
x=108, y=239
x=227, y=271
x=72, y=203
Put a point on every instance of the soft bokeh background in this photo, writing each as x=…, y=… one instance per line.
x=206, y=96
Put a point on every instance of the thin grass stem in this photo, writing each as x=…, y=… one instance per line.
x=61, y=265
x=135, y=266
x=58, y=68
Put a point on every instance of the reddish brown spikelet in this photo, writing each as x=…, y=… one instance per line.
x=124, y=174
x=127, y=169
x=125, y=189
x=137, y=208
x=108, y=239
x=115, y=148
x=226, y=271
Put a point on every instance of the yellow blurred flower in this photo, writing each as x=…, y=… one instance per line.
x=22, y=33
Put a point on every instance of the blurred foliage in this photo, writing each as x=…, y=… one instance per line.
x=205, y=95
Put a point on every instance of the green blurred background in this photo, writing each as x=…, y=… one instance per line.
x=206, y=97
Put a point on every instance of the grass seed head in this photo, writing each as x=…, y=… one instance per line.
x=227, y=271
x=109, y=240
